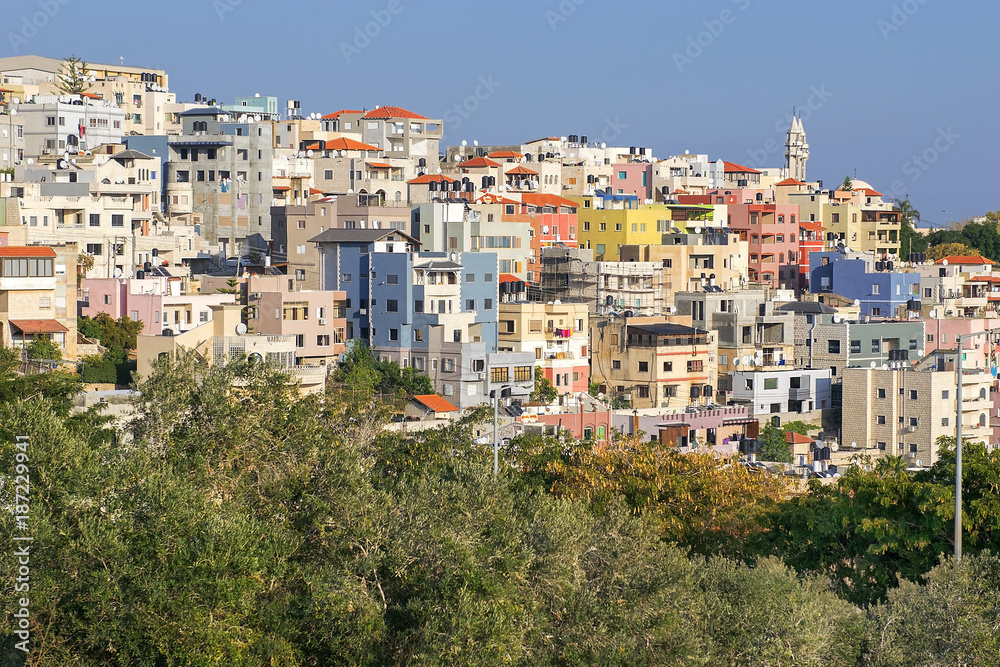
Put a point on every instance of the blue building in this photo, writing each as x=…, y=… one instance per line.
x=433, y=311
x=878, y=287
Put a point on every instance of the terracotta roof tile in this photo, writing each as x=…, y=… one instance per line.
x=965, y=259
x=477, y=162
x=393, y=112
x=730, y=167
x=520, y=169
x=542, y=199
x=26, y=251
x=345, y=144
x=790, y=181
x=336, y=114
x=435, y=403
x=430, y=178
x=39, y=326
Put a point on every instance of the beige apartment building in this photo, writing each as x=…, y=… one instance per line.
x=38, y=295
x=903, y=411
x=558, y=334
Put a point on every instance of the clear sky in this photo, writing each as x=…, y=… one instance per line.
x=902, y=92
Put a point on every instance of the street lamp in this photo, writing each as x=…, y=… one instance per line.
x=949, y=215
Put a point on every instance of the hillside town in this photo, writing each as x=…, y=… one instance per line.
x=570, y=284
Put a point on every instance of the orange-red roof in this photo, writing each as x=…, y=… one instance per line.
x=345, y=144
x=965, y=259
x=39, y=326
x=336, y=114
x=509, y=278
x=314, y=191
x=26, y=251
x=815, y=226
x=506, y=154
x=869, y=192
x=393, y=112
x=281, y=188
x=479, y=162
x=435, y=403
x=793, y=438
x=535, y=141
x=542, y=199
x=379, y=165
x=91, y=96
x=430, y=178
x=520, y=169
x=490, y=198
x=790, y=181
x=729, y=167
x=985, y=279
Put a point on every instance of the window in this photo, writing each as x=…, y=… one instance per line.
x=28, y=268
x=833, y=346
x=470, y=304
x=418, y=306
x=881, y=393
x=913, y=421
x=346, y=278
x=391, y=279
x=913, y=343
x=770, y=383
x=944, y=394
x=643, y=366
x=393, y=334
x=94, y=248
x=616, y=364
x=202, y=316
x=913, y=448
x=487, y=304
x=944, y=422
x=300, y=340
x=880, y=420
x=391, y=306
x=489, y=277
x=95, y=219
x=456, y=335
x=300, y=274
x=470, y=277
x=418, y=335
x=501, y=374
x=117, y=220
x=855, y=347
x=876, y=344
x=523, y=373
x=695, y=366
x=875, y=289
x=913, y=394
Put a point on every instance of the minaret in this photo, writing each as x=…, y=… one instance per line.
x=796, y=149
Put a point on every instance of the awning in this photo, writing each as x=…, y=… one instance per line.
x=38, y=326
x=379, y=165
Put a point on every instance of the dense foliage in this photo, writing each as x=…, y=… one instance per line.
x=231, y=522
x=119, y=337
x=362, y=371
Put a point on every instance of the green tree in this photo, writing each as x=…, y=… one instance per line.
x=72, y=79
x=543, y=389
x=44, y=349
x=121, y=333
x=941, y=250
x=774, y=445
x=910, y=240
x=848, y=184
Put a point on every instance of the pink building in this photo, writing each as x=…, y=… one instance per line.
x=632, y=178
x=772, y=232
x=161, y=303
x=315, y=317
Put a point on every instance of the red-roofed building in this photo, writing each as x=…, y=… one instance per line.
x=398, y=132
x=38, y=295
x=477, y=163
x=974, y=261
x=736, y=175
x=432, y=406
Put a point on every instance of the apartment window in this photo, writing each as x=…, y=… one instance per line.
x=300, y=249
x=345, y=278
x=855, y=347
x=586, y=226
x=643, y=366
x=913, y=394
x=328, y=174
x=944, y=422
x=391, y=279
x=391, y=306
x=117, y=220
x=300, y=274
x=470, y=304
x=107, y=299
x=881, y=393
x=833, y=346
x=95, y=219
x=456, y=336
x=875, y=289
x=876, y=345
x=470, y=277
x=616, y=364
x=913, y=448
x=418, y=335
x=488, y=277
x=523, y=373
x=770, y=383
x=394, y=334
x=498, y=375
x=913, y=421
x=418, y=306
x=50, y=120
x=603, y=226
x=876, y=312
x=913, y=343
x=94, y=248
x=881, y=445
x=880, y=420
x=668, y=366
x=695, y=366
x=300, y=340
x=944, y=394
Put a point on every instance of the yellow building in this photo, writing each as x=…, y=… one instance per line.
x=857, y=218
x=608, y=222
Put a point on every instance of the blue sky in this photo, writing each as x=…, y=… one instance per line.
x=903, y=92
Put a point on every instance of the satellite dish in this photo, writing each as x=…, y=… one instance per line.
x=697, y=230
x=31, y=161
x=854, y=445
x=872, y=365
x=918, y=462
x=944, y=262
x=464, y=142
x=475, y=142
x=118, y=273
x=600, y=395
x=834, y=447
x=885, y=367
x=603, y=145
x=256, y=94
x=857, y=302
x=736, y=361
x=309, y=153
x=673, y=309
x=836, y=319
x=241, y=329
